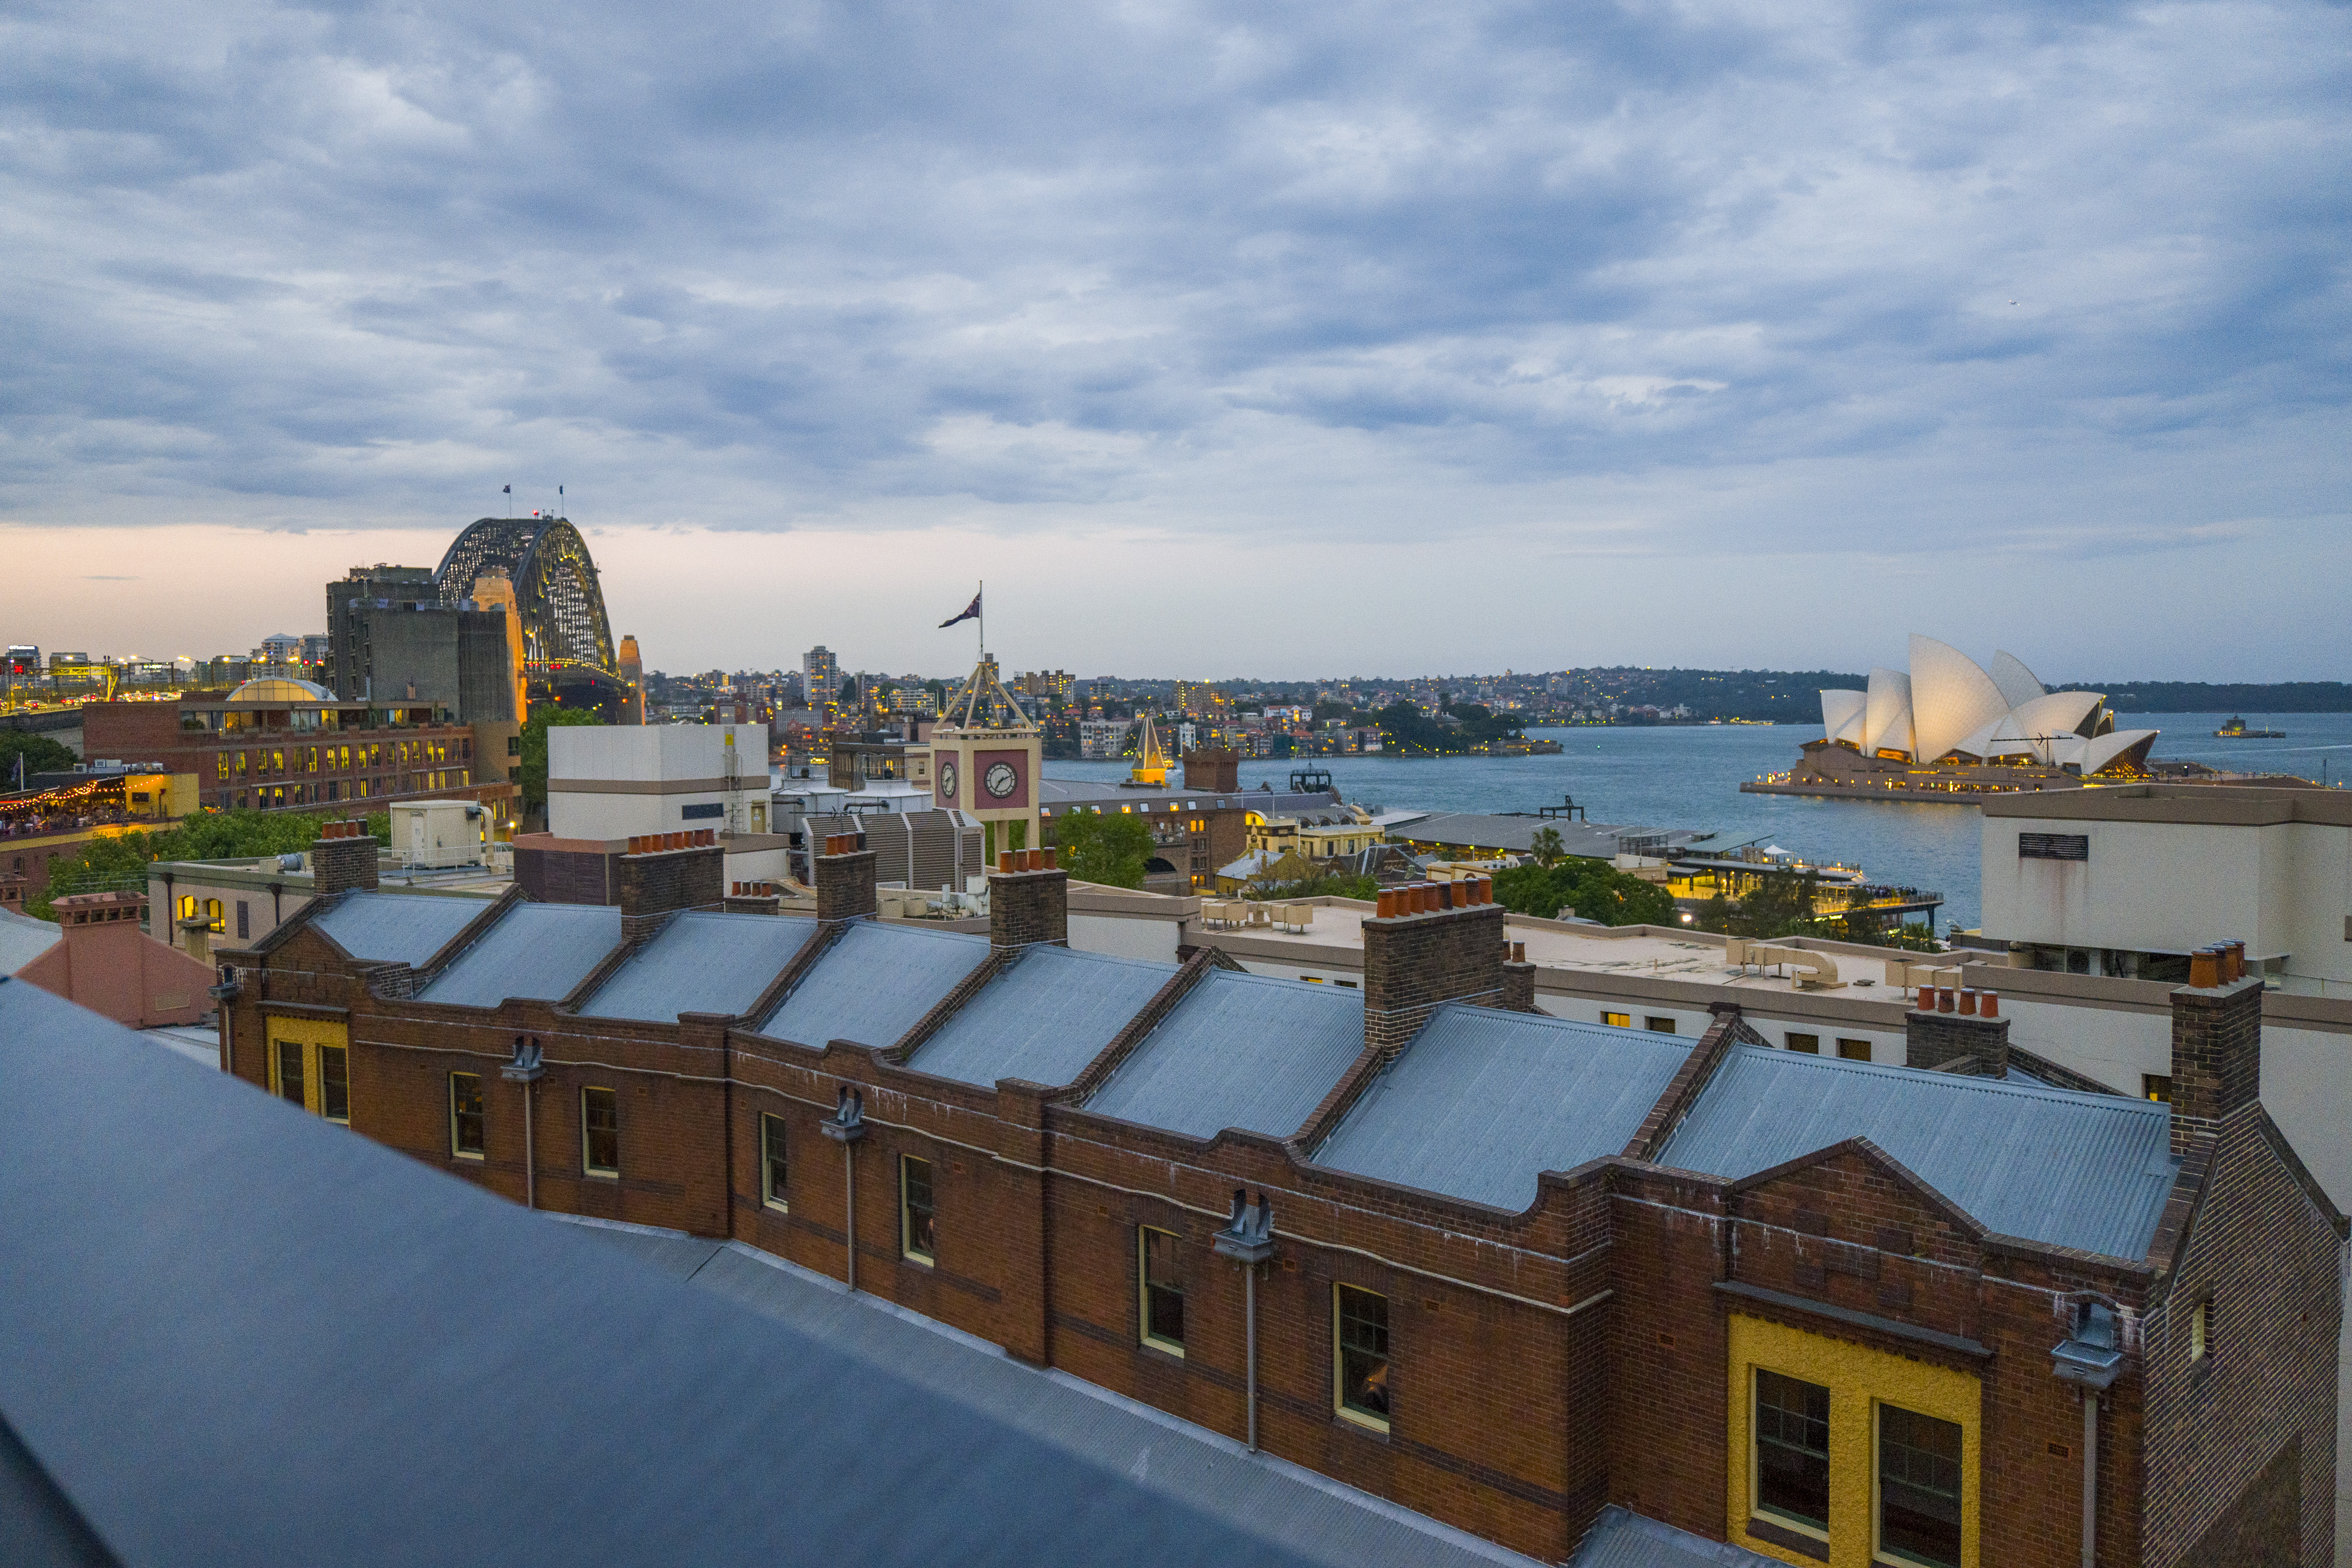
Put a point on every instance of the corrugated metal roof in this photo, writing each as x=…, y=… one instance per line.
x=399, y=928
x=1482, y=1100
x=214, y=1278
x=1622, y=1539
x=2088, y=1171
x=24, y=939
x=875, y=984
x=702, y=962
x=536, y=951
x=1043, y=1019
x=1240, y=1050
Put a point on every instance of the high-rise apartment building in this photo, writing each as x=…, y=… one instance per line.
x=821, y=674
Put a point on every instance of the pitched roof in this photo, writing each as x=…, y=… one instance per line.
x=1043, y=1019
x=398, y=928
x=875, y=984
x=2086, y=1171
x=24, y=939
x=701, y=962
x=536, y=951
x=216, y=1278
x=1482, y=1100
x=1239, y=1050
x=1622, y=1539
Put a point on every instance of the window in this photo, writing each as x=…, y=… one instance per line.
x=466, y=1115
x=600, y=1131
x=918, y=1225
x=213, y=916
x=1853, y=1050
x=288, y=1070
x=2155, y=1086
x=1617, y=1020
x=335, y=1084
x=1360, y=1347
x=1811, y=1044
x=2200, y=1330
x=1792, y=1452
x=1919, y=1489
x=2053, y=846
x=771, y=1161
x=244, y=918
x=1659, y=1025
x=1161, y=1273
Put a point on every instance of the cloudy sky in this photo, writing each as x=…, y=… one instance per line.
x=1218, y=338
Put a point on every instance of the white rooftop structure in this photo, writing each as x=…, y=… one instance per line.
x=620, y=781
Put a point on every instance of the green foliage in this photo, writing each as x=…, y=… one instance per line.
x=1098, y=847
x=1875, y=928
x=1405, y=728
x=1546, y=846
x=1593, y=888
x=1326, y=886
x=1780, y=904
x=41, y=754
x=534, y=748
x=1481, y=724
x=119, y=860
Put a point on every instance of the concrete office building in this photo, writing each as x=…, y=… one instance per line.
x=2128, y=881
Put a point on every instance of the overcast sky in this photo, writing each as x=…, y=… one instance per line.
x=1218, y=338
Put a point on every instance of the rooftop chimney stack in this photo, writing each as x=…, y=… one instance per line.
x=663, y=873
x=1519, y=979
x=2217, y=1044
x=342, y=858
x=844, y=881
x=1028, y=901
x=1427, y=944
x=1935, y=1034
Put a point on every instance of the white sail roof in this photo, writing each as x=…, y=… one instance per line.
x=1886, y=726
x=1841, y=715
x=2017, y=683
x=1951, y=698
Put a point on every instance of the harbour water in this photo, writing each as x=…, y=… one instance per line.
x=1689, y=776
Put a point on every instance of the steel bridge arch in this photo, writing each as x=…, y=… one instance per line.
x=567, y=637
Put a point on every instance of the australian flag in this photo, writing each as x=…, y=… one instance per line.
x=970, y=613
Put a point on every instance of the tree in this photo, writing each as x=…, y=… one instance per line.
x=1095, y=846
x=1780, y=904
x=121, y=860
x=1546, y=846
x=40, y=755
x=534, y=748
x=1594, y=889
x=847, y=696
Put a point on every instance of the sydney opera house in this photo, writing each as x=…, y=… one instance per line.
x=1951, y=727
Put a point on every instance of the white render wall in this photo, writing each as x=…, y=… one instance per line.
x=660, y=769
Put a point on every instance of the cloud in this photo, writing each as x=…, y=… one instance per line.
x=1835, y=276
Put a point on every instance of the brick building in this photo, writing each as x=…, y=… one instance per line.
x=1514, y=1272
x=269, y=744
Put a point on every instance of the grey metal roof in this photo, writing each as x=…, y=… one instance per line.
x=1280, y=1502
x=1516, y=834
x=399, y=928
x=1043, y=1019
x=24, y=939
x=1482, y=1100
x=875, y=984
x=536, y=951
x=702, y=962
x=1622, y=1539
x=1240, y=1050
x=2088, y=1171
x=576, y=1404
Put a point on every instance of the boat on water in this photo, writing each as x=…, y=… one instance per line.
x=2235, y=730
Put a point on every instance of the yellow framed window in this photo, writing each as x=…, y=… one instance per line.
x=600, y=1131
x=1360, y=1356
x=772, y=1168
x=918, y=1231
x=1618, y=1020
x=1919, y=1493
x=288, y=1059
x=1792, y=1461
x=468, y=1122
x=309, y=1065
x=1159, y=1289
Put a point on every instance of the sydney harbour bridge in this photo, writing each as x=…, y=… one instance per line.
x=568, y=650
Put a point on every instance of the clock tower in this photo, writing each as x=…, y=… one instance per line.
x=986, y=754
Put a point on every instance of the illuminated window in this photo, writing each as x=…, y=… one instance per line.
x=1360, y=1345
x=213, y=916
x=1160, y=1278
x=2155, y=1086
x=1811, y=1044
x=188, y=906
x=1617, y=1020
x=466, y=1115
x=918, y=1221
x=2200, y=1330
x=220, y=762
x=1792, y=1452
x=771, y=1161
x=240, y=764
x=600, y=1131
x=1919, y=1489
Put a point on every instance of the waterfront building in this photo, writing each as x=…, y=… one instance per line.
x=1510, y=1270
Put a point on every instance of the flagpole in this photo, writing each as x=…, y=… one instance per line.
x=980, y=598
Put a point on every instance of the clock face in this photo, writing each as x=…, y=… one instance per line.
x=1000, y=780
x=948, y=779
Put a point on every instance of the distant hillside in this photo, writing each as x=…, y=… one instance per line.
x=1793, y=696
x=2205, y=697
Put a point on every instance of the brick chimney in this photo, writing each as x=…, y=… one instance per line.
x=1967, y=1027
x=1430, y=942
x=2217, y=1044
x=663, y=873
x=1519, y=980
x=845, y=880
x=1028, y=901
x=1215, y=770
x=342, y=858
